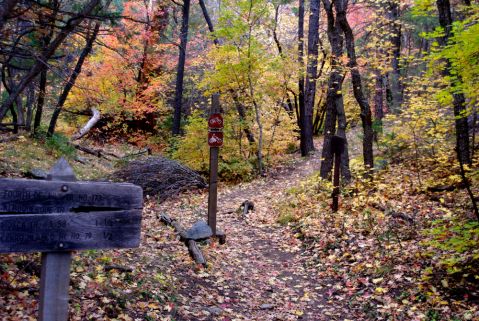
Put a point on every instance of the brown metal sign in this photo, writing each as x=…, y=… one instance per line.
x=215, y=139
x=215, y=121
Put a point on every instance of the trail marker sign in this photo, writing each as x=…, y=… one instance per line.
x=215, y=139
x=60, y=215
x=215, y=121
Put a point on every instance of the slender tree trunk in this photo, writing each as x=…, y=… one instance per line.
x=242, y=116
x=306, y=115
x=252, y=96
x=300, y=109
x=48, y=52
x=208, y=21
x=378, y=103
x=396, y=84
x=181, y=68
x=459, y=101
x=29, y=107
x=40, y=101
x=73, y=77
x=366, y=118
x=334, y=101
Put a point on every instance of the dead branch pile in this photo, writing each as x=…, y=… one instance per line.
x=160, y=177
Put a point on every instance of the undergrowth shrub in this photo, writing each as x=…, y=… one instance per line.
x=453, y=247
x=238, y=157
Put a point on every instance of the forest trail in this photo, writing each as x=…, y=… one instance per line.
x=262, y=273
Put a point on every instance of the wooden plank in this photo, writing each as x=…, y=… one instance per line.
x=32, y=196
x=69, y=231
x=54, y=286
x=55, y=275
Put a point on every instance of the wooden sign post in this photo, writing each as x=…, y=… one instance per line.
x=60, y=215
x=215, y=141
x=337, y=147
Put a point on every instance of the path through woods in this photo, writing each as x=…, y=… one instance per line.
x=263, y=272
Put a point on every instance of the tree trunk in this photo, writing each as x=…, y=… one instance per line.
x=181, y=68
x=459, y=102
x=47, y=53
x=366, y=118
x=334, y=101
x=29, y=107
x=395, y=75
x=208, y=21
x=40, y=101
x=378, y=103
x=300, y=109
x=73, y=77
x=242, y=116
x=306, y=115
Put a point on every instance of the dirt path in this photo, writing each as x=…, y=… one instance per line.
x=261, y=273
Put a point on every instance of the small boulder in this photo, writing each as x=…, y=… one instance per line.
x=199, y=231
x=36, y=173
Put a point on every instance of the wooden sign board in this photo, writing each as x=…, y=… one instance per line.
x=215, y=139
x=47, y=216
x=215, y=121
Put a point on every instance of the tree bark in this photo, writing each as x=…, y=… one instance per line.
x=73, y=77
x=395, y=75
x=242, y=116
x=47, y=53
x=366, y=118
x=300, y=109
x=208, y=21
x=306, y=115
x=181, y=68
x=378, y=102
x=459, y=101
x=334, y=101
x=89, y=125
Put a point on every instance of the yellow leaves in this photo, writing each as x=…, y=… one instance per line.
x=298, y=313
x=380, y=290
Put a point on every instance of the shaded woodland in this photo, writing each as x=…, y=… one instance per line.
x=104, y=82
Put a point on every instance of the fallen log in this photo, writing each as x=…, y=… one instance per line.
x=193, y=248
x=95, y=152
x=196, y=253
x=89, y=125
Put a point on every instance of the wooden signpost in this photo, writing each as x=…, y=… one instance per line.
x=60, y=215
x=337, y=147
x=215, y=141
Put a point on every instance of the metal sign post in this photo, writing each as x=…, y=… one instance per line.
x=215, y=141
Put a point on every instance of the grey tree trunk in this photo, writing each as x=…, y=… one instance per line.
x=366, y=118
x=181, y=68
x=306, y=115
x=334, y=101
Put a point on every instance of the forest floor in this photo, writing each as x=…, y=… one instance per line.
x=262, y=272
x=289, y=259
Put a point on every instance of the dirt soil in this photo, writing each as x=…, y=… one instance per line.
x=262, y=272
